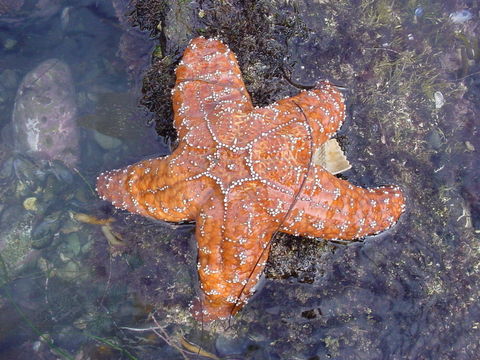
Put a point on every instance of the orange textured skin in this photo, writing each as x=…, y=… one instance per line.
x=243, y=173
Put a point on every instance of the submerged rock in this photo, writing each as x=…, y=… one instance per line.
x=44, y=115
x=461, y=16
x=15, y=243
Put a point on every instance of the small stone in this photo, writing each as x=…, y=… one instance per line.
x=419, y=12
x=73, y=244
x=434, y=139
x=9, y=44
x=439, y=100
x=105, y=141
x=70, y=271
x=469, y=146
x=30, y=204
x=461, y=16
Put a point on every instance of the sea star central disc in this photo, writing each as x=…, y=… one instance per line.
x=243, y=173
x=229, y=168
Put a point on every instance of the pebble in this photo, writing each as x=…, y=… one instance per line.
x=461, y=16
x=439, y=100
x=30, y=204
x=9, y=44
x=419, y=12
x=105, y=141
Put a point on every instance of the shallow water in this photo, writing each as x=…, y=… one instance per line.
x=74, y=286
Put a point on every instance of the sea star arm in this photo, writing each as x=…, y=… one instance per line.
x=165, y=188
x=332, y=208
x=319, y=111
x=233, y=247
x=289, y=131
x=322, y=108
x=209, y=92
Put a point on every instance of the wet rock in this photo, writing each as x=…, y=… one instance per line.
x=461, y=16
x=15, y=243
x=439, y=100
x=419, y=12
x=105, y=141
x=45, y=228
x=31, y=204
x=44, y=116
x=9, y=44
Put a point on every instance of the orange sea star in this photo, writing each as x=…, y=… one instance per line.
x=242, y=173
